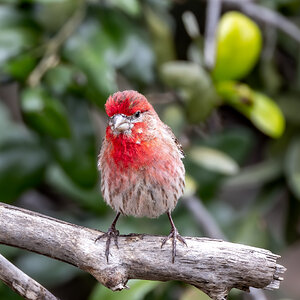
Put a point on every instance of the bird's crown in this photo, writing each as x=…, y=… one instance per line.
x=127, y=103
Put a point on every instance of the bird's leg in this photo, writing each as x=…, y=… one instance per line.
x=111, y=233
x=174, y=234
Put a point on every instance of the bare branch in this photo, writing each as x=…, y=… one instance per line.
x=203, y=218
x=212, y=17
x=213, y=266
x=21, y=283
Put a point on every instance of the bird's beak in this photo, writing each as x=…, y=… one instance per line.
x=121, y=123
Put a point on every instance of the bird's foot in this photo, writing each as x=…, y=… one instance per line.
x=112, y=233
x=174, y=234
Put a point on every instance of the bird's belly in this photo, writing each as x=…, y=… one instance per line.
x=143, y=196
x=142, y=200
x=148, y=201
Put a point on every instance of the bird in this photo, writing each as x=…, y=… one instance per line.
x=140, y=161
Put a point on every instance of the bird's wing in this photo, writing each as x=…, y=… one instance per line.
x=174, y=138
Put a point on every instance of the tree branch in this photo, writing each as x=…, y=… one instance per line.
x=213, y=12
x=214, y=266
x=21, y=283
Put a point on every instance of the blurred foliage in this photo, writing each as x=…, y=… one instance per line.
x=239, y=123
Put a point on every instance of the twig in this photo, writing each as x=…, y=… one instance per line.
x=21, y=283
x=213, y=266
x=213, y=11
x=203, y=218
x=50, y=58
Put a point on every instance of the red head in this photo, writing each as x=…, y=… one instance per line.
x=131, y=128
x=127, y=103
x=128, y=111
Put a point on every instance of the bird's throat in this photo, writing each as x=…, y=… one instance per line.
x=130, y=152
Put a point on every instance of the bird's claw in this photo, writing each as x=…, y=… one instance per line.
x=111, y=233
x=174, y=234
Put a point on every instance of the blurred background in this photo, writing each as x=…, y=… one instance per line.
x=225, y=75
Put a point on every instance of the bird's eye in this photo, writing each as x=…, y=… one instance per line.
x=137, y=114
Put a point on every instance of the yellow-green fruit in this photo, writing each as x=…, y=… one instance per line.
x=239, y=44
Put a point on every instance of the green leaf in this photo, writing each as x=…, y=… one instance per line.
x=127, y=46
x=236, y=143
x=292, y=166
x=9, y=15
x=14, y=40
x=267, y=116
x=140, y=65
x=22, y=159
x=87, y=50
x=22, y=163
x=77, y=154
x=186, y=75
x=53, y=14
x=162, y=36
x=44, y=113
x=192, y=293
x=131, y=7
x=195, y=86
x=213, y=160
x=88, y=198
x=60, y=78
x=17, y=33
x=257, y=174
x=138, y=290
x=104, y=43
x=20, y=66
x=263, y=112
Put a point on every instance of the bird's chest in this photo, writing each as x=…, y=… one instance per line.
x=132, y=152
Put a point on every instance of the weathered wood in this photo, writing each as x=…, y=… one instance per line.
x=214, y=266
x=21, y=283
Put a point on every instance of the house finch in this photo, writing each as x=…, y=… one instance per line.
x=140, y=162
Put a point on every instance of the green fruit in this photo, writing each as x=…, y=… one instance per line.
x=239, y=44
